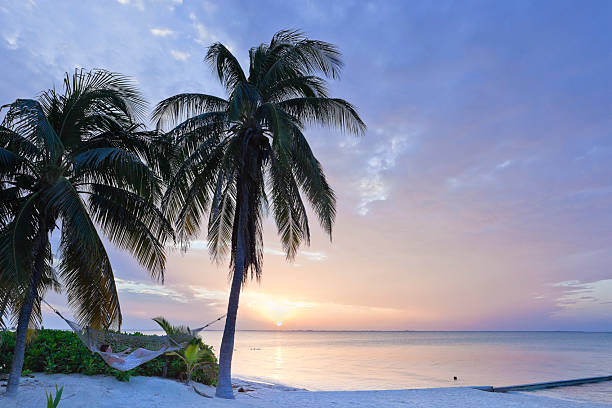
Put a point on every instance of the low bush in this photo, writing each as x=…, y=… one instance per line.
x=60, y=351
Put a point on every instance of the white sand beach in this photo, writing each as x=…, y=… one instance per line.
x=97, y=391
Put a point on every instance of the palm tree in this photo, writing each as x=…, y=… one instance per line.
x=71, y=161
x=238, y=157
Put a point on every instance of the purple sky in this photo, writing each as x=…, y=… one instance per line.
x=479, y=198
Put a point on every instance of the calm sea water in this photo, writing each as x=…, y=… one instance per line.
x=392, y=360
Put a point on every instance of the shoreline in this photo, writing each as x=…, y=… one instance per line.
x=148, y=392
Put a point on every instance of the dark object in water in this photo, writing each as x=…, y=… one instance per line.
x=455, y=378
x=241, y=389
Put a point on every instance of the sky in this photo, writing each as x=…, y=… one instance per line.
x=478, y=199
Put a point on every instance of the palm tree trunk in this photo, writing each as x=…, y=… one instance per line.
x=25, y=314
x=224, y=380
x=3, y=310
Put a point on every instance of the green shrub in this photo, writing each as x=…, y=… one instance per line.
x=60, y=351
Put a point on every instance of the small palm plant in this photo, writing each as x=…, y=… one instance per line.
x=193, y=356
x=54, y=402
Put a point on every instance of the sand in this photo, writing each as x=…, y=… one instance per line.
x=98, y=391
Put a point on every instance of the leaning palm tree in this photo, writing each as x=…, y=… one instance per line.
x=236, y=158
x=72, y=161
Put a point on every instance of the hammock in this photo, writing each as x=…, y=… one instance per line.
x=124, y=352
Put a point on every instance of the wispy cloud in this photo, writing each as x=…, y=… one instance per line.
x=176, y=292
x=141, y=288
x=194, y=244
x=199, y=292
x=478, y=175
x=180, y=55
x=313, y=256
x=309, y=255
x=580, y=298
x=373, y=186
x=503, y=164
x=204, y=35
x=161, y=32
x=12, y=40
x=139, y=4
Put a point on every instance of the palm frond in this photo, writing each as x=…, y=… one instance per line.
x=170, y=329
x=196, y=197
x=84, y=267
x=331, y=112
x=292, y=53
x=289, y=211
x=296, y=87
x=222, y=214
x=26, y=117
x=108, y=90
x=178, y=108
x=132, y=223
x=18, y=144
x=116, y=166
x=310, y=176
x=244, y=101
x=227, y=67
x=23, y=233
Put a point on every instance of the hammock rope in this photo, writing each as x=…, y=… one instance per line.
x=123, y=351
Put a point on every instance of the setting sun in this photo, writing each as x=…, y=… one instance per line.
x=276, y=310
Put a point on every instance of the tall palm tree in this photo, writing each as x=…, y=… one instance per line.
x=238, y=157
x=72, y=161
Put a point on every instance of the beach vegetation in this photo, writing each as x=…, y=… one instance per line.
x=194, y=356
x=61, y=352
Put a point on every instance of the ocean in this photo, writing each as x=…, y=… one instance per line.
x=393, y=360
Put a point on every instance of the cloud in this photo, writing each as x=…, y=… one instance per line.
x=504, y=164
x=161, y=32
x=139, y=4
x=140, y=288
x=175, y=292
x=313, y=256
x=584, y=298
x=309, y=255
x=478, y=175
x=199, y=292
x=179, y=55
x=11, y=40
x=373, y=186
x=204, y=36
x=194, y=244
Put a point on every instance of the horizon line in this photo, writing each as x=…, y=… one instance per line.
x=373, y=331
